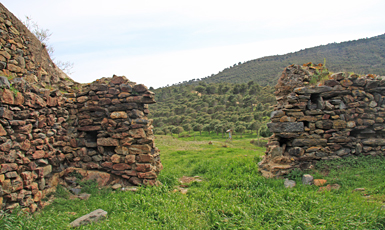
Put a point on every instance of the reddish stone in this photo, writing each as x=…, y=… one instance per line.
x=121, y=166
x=52, y=101
x=137, y=133
x=90, y=128
x=73, y=143
x=115, y=159
x=319, y=182
x=7, y=96
x=139, y=149
x=17, y=122
x=26, y=129
x=38, y=154
x=19, y=99
x=129, y=159
x=6, y=113
x=140, y=88
x=107, y=142
x=105, y=101
x=143, y=167
x=127, y=141
x=107, y=165
x=92, y=165
x=131, y=173
x=325, y=116
x=82, y=99
x=147, y=175
x=121, y=150
x=119, y=115
x=8, y=167
x=144, y=158
x=124, y=94
x=85, y=122
x=5, y=147
x=117, y=80
x=17, y=184
x=113, y=91
x=135, y=181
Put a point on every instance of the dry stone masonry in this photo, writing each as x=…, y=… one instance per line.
x=51, y=126
x=342, y=115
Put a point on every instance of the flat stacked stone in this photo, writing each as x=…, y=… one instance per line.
x=339, y=117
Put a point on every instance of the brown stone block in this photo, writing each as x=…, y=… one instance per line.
x=129, y=159
x=6, y=113
x=139, y=149
x=90, y=128
x=119, y=115
x=147, y=175
x=137, y=133
x=121, y=167
x=121, y=150
x=92, y=165
x=105, y=101
x=144, y=158
x=107, y=142
x=135, y=181
x=7, y=96
x=107, y=165
x=309, y=142
x=2, y=131
x=85, y=122
x=117, y=80
x=131, y=173
x=16, y=184
x=115, y=158
x=143, y=167
x=38, y=154
x=8, y=167
x=26, y=129
x=339, y=124
x=12, y=174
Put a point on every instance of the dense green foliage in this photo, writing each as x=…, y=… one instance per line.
x=361, y=56
x=213, y=108
x=232, y=195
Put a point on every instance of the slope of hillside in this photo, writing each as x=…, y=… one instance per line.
x=361, y=56
x=212, y=107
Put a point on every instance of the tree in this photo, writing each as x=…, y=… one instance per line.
x=200, y=88
x=219, y=128
x=207, y=128
x=177, y=130
x=240, y=129
x=187, y=127
x=198, y=127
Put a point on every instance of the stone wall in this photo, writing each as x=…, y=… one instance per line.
x=43, y=133
x=51, y=125
x=339, y=116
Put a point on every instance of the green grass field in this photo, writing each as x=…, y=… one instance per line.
x=232, y=195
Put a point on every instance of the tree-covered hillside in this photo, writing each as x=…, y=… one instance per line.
x=361, y=56
x=212, y=107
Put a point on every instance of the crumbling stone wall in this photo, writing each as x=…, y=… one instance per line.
x=43, y=133
x=340, y=116
x=51, y=125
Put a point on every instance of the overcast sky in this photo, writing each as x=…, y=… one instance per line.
x=160, y=42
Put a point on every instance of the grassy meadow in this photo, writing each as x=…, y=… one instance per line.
x=232, y=194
